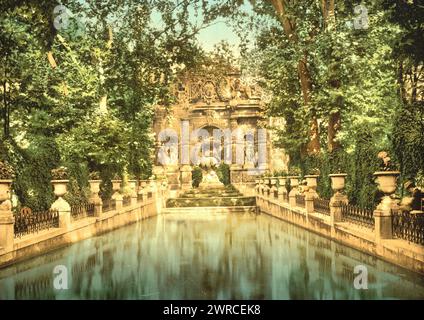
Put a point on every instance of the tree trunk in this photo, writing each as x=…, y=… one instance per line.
x=334, y=119
x=334, y=125
x=303, y=72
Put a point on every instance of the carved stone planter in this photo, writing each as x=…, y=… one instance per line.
x=95, y=186
x=312, y=183
x=133, y=186
x=338, y=181
x=5, y=187
x=60, y=187
x=386, y=181
x=294, y=181
x=116, y=185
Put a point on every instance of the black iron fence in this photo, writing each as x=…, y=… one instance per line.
x=357, y=215
x=300, y=200
x=322, y=206
x=90, y=209
x=126, y=201
x=108, y=205
x=78, y=212
x=408, y=226
x=27, y=222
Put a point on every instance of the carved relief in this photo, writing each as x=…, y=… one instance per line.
x=222, y=90
x=209, y=92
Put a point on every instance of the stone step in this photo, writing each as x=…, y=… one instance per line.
x=211, y=202
x=210, y=210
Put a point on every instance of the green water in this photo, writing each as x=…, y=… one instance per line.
x=208, y=257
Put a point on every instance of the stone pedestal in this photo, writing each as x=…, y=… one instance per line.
x=64, y=210
x=383, y=225
x=383, y=218
x=173, y=176
x=95, y=198
x=7, y=221
x=186, y=177
x=236, y=174
x=312, y=183
x=133, y=193
x=310, y=195
x=336, y=202
x=61, y=205
x=294, y=184
x=383, y=213
x=117, y=196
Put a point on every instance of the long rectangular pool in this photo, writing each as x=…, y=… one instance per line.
x=198, y=256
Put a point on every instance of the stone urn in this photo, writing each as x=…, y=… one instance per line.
x=294, y=181
x=282, y=181
x=116, y=185
x=141, y=185
x=95, y=186
x=312, y=183
x=386, y=181
x=60, y=187
x=5, y=187
x=95, y=189
x=338, y=181
x=133, y=186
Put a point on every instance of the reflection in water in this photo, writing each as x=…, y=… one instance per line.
x=208, y=257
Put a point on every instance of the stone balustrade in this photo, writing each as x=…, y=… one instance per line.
x=66, y=230
x=370, y=236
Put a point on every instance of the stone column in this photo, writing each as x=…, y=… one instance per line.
x=95, y=198
x=383, y=213
x=237, y=144
x=117, y=196
x=61, y=205
x=294, y=183
x=7, y=220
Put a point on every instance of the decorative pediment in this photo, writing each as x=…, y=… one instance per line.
x=207, y=90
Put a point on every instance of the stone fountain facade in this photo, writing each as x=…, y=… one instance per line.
x=226, y=103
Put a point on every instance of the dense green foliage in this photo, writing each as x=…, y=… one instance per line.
x=365, y=85
x=82, y=94
x=223, y=173
x=196, y=176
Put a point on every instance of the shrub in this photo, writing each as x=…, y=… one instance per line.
x=6, y=171
x=223, y=173
x=196, y=176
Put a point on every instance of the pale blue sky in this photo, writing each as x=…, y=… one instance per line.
x=216, y=33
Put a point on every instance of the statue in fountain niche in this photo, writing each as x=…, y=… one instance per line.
x=208, y=164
